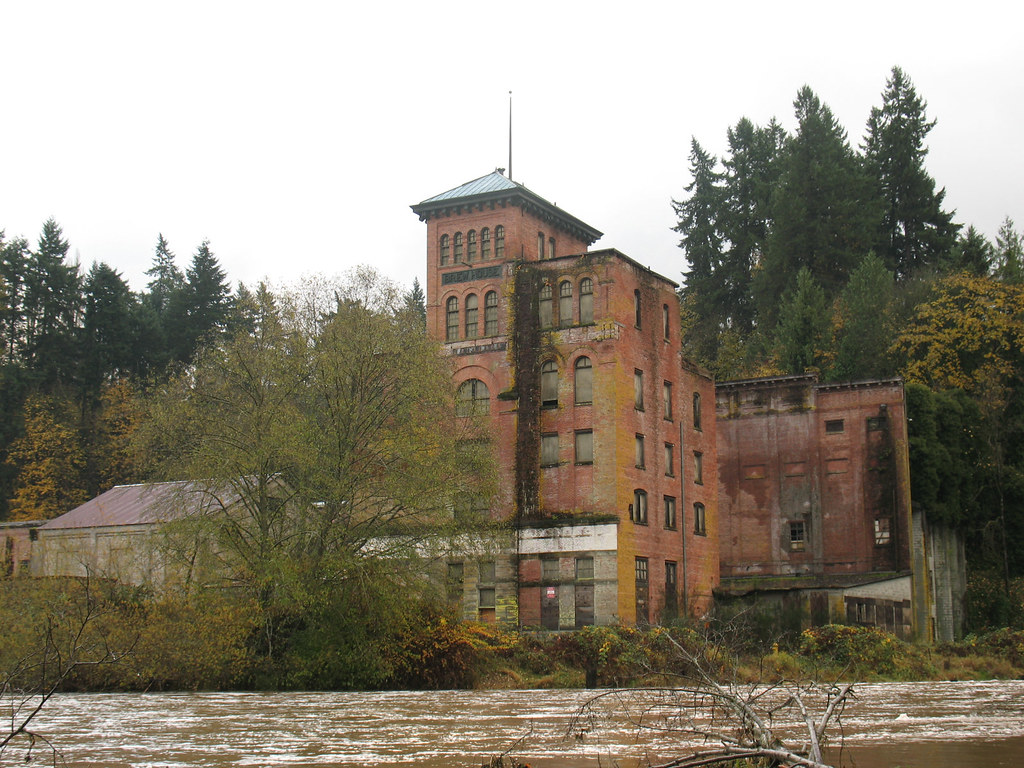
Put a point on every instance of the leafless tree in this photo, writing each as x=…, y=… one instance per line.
x=66, y=640
x=782, y=724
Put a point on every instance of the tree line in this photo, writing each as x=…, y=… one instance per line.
x=76, y=348
x=806, y=253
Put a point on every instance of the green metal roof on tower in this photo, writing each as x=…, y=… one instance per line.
x=495, y=189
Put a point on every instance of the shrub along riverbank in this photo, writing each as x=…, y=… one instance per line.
x=105, y=637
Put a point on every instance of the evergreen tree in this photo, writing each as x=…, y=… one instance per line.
x=53, y=300
x=916, y=231
x=973, y=254
x=206, y=299
x=416, y=301
x=108, y=338
x=824, y=211
x=1009, y=254
x=751, y=174
x=803, y=324
x=167, y=278
x=864, y=327
x=698, y=223
x=14, y=256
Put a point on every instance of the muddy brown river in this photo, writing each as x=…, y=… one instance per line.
x=910, y=725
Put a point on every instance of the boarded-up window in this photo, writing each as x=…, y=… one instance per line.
x=795, y=468
x=549, y=450
x=585, y=447
x=639, y=443
x=834, y=426
x=638, y=389
x=584, y=381
x=754, y=472
x=837, y=466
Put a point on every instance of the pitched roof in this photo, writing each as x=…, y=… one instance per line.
x=141, y=504
x=496, y=189
x=492, y=182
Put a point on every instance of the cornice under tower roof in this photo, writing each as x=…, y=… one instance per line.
x=494, y=189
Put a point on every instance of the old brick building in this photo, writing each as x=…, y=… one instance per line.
x=815, y=498
x=604, y=434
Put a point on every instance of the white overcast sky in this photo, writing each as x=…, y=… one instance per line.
x=295, y=136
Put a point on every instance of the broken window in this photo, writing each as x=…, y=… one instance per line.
x=797, y=536
x=638, y=511
x=549, y=384
x=883, y=531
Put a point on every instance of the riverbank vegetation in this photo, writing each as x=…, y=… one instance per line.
x=214, y=640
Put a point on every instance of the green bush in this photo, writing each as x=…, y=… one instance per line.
x=862, y=650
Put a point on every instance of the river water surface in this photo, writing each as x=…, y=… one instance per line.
x=911, y=725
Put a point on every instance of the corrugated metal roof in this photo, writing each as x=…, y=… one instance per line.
x=135, y=505
x=492, y=182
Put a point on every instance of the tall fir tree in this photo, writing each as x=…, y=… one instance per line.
x=108, y=333
x=803, y=325
x=167, y=278
x=972, y=253
x=14, y=257
x=751, y=174
x=1009, y=253
x=416, y=301
x=53, y=301
x=825, y=215
x=916, y=231
x=698, y=223
x=864, y=329
x=207, y=302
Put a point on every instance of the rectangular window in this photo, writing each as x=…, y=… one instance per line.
x=585, y=447
x=670, y=460
x=584, y=568
x=797, y=536
x=549, y=569
x=876, y=423
x=883, y=531
x=639, y=442
x=671, y=591
x=549, y=450
x=667, y=398
x=487, y=571
x=454, y=581
x=638, y=514
x=641, y=570
x=638, y=389
x=698, y=520
x=664, y=321
x=698, y=468
x=486, y=605
x=834, y=426
x=670, y=513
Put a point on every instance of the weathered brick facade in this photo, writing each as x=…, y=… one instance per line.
x=815, y=496
x=604, y=434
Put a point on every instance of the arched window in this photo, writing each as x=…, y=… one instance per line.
x=696, y=410
x=540, y=245
x=491, y=314
x=471, y=316
x=452, y=319
x=544, y=305
x=636, y=304
x=472, y=399
x=471, y=246
x=499, y=242
x=565, y=303
x=549, y=384
x=586, y=301
x=485, y=244
x=584, y=383
x=699, y=523
x=446, y=249
x=458, y=247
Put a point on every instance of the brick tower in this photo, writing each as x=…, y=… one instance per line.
x=604, y=434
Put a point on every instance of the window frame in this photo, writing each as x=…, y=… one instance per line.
x=564, y=304
x=491, y=313
x=583, y=372
x=638, y=509
x=671, y=517
x=549, y=384
x=549, y=450
x=472, y=315
x=451, y=332
x=445, y=246
x=586, y=301
x=699, y=519
x=578, y=434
